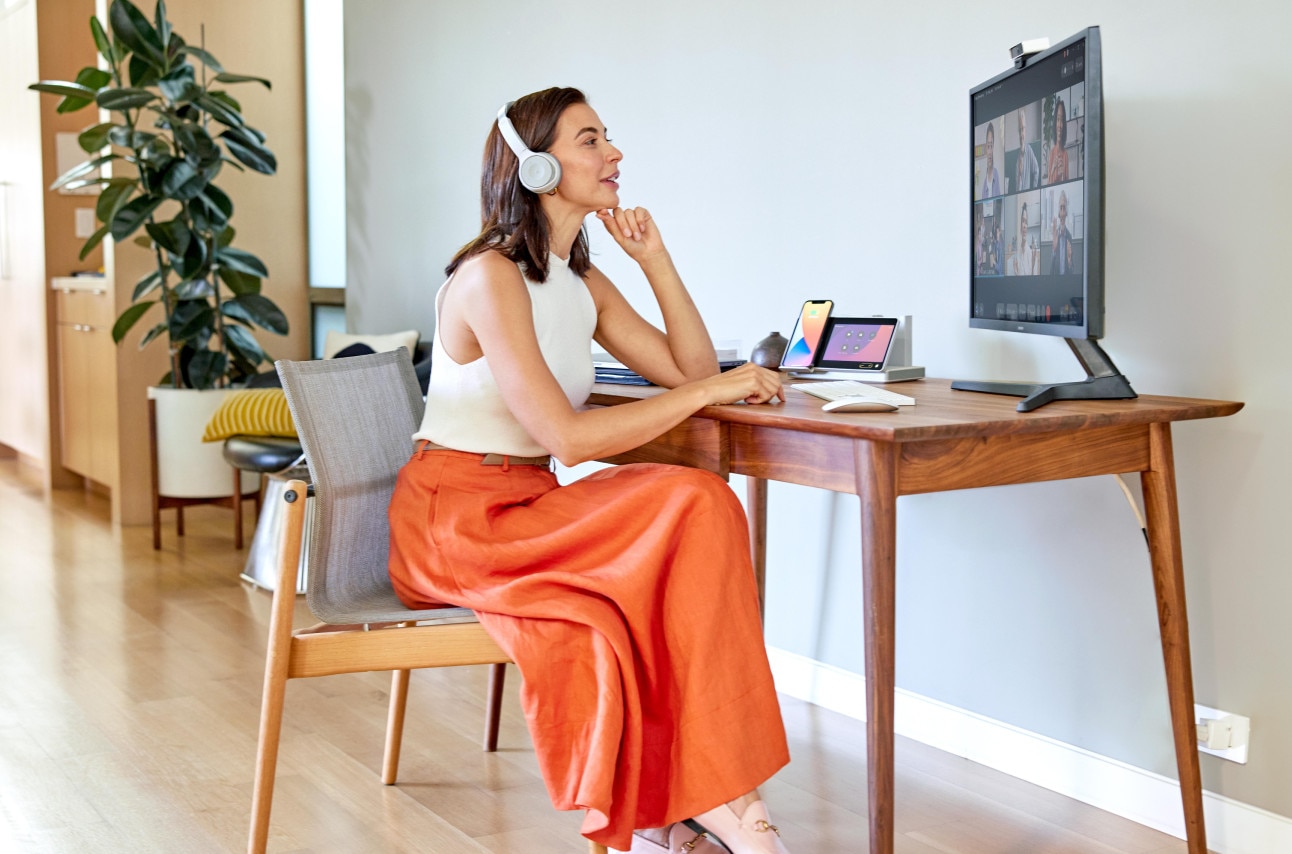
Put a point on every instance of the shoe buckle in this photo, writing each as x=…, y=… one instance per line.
x=762, y=826
x=690, y=846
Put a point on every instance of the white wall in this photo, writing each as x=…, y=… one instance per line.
x=24, y=404
x=816, y=149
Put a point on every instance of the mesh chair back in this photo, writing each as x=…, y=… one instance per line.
x=355, y=417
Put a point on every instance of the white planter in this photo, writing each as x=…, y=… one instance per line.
x=187, y=467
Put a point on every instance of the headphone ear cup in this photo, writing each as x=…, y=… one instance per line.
x=540, y=172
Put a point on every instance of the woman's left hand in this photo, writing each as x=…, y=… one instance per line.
x=634, y=230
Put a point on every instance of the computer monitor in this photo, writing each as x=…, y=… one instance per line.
x=1036, y=257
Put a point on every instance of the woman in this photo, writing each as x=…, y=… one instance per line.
x=1056, y=168
x=626, y=598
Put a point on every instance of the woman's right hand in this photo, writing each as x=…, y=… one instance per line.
x=748, y=382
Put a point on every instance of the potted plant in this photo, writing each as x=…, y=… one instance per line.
x=174, y=128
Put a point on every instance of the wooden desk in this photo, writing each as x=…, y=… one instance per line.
x=950, y=440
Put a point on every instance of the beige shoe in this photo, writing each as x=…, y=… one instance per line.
x=751, y=833
x=681, y=840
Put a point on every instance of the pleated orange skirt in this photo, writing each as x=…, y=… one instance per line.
x=627, y=599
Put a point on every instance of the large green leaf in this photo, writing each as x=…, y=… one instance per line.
x=82, y=169
x=239, y=283
x=173, y=235
x=114, y=195
x=124, y=99
x=160, y=23
x=95, y=239
x=241, y=340
x=91, y=78
x=157, y=330
x=192, y=263
x=92, y=181
x=257, y=309
x=206, y=368
x=191, y=319
x=194, y=139
x=132, y=29
x=64, y=88
x=128, y=319
x=219, y=110
x=226, y=77
x=143, y=72
x=182, y=181
x=149, y=282
x=180, y=86
x=133, y=215
x=242, y=261
x=194, y=289
x=250, y=151
x=225, y=98
x=218, y=203
x=101, y=41
x=206, y=59
x=93, y=138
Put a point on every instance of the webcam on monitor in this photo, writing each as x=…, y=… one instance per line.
x=1020, y=52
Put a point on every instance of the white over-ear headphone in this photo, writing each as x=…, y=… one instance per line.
x=540, y=172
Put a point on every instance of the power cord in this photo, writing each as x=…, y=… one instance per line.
x=1130, y=498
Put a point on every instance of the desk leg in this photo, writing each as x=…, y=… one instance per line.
x=1168, y=582
x=756, y=509
x=876, y=476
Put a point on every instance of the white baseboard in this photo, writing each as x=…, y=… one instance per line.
x=1116, y=787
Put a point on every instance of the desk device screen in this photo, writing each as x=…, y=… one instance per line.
x=857, y=343
x=1036, y=172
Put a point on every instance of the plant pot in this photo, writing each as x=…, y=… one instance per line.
x=187, y=467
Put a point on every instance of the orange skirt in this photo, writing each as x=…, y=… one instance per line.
x=627, y=599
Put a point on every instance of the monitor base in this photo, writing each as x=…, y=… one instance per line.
x=1103, y=381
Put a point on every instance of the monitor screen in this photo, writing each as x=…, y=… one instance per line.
x=1036, y=255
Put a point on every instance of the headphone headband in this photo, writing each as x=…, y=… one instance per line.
x=540, y=172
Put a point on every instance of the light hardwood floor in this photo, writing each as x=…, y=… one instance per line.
x=130, y=699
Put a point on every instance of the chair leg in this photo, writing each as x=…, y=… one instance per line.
x=179, y=521
x=236, y=502
x=395, y=726
x=594, y=848
x=277, y=666
x=493, y=706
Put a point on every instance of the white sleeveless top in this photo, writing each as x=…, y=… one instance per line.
x=465, y=409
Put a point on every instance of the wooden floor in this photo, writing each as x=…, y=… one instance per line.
x=130, y=700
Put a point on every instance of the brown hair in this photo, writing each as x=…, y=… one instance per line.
x=512, y=221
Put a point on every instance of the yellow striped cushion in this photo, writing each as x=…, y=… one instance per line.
x=251, y=412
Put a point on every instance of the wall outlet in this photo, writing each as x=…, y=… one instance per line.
x=84, y=222
x=1222, y=734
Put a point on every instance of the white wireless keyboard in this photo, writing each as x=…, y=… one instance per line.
x=835, y=389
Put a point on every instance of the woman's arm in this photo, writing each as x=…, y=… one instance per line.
x=500, y=326
x=683, y=351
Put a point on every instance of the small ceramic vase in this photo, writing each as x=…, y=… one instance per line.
x=768, y=352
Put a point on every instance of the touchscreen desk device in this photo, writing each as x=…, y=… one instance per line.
x=869, y=349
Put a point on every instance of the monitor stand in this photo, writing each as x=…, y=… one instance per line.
x=1103, y=381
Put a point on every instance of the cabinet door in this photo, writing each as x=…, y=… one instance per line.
x=101, y=400
x=74, y=355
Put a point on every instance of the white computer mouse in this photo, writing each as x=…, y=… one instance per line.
x=857, y=404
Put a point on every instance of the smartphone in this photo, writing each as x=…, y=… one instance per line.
x=800, y=354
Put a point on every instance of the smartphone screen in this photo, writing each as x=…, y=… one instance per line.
x=806, y=338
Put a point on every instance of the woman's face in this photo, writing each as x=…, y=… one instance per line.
x=589, y=163
x=1060, y=123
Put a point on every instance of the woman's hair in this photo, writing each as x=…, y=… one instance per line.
x=512, y=221
x=1060, y=136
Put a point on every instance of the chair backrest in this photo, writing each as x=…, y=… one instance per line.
x=356, y=418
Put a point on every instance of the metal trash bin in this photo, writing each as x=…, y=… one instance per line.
x=263, y=558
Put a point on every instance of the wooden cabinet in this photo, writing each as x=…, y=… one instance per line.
x=87, y=387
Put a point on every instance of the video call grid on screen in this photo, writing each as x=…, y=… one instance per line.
x=1028, y=230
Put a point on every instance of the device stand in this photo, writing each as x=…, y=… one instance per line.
x=1103, y=381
